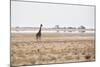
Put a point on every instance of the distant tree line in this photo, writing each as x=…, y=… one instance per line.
x=57, y=28
x=81, y=28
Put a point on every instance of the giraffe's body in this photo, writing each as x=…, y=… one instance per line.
x=38, y=35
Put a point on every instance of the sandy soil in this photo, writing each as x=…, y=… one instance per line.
x=52, y=48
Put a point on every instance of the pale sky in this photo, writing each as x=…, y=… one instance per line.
x=31, y=14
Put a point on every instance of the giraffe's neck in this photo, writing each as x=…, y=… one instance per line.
x=40, y=29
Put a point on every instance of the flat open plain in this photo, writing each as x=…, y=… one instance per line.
x=52, y=48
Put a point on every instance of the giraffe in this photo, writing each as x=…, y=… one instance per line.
x=38, y=35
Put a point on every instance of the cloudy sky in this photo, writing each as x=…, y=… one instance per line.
x=31, y=14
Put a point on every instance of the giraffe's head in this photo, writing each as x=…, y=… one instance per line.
x=41, y=25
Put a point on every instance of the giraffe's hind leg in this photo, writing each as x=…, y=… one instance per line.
x=36, y=37
x=40, y=38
